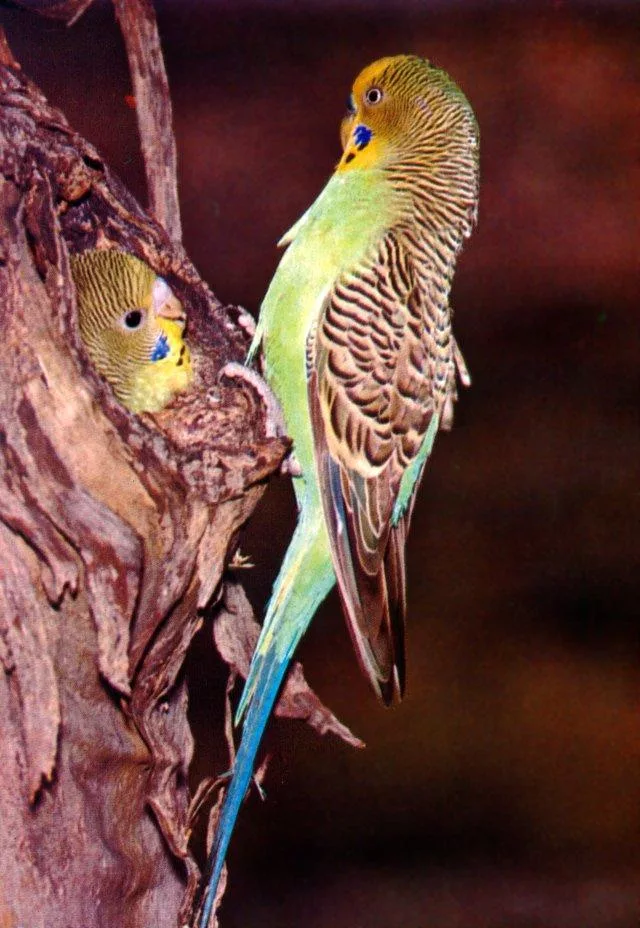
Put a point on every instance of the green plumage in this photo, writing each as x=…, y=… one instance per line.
x=356, y=335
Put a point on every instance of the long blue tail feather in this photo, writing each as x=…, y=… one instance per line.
x=272, y=672
x=305, y=578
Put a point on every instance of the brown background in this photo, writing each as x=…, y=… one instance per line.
x=505, y=791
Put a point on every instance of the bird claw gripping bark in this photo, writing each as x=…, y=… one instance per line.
x=274, y=421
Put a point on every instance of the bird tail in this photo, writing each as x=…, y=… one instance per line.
x=305, y=578
x=272, y=672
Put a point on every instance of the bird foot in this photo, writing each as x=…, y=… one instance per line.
x=274, y=422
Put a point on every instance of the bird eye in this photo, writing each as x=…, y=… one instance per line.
x=133, y=319
x=373, y=96
x=351, y=106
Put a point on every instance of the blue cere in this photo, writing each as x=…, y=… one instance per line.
x=362, y=136
x=161, y=348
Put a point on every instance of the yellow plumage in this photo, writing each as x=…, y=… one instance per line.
x=132, y=326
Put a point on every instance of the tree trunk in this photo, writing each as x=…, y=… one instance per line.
x=114, y=532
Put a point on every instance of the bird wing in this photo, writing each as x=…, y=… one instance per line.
x=371, y=398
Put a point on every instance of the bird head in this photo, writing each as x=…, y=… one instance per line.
x=395, y=103
x=132, y=325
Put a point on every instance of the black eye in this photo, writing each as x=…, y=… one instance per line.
x=133, y=319
x=373, y=96
x=351, y=106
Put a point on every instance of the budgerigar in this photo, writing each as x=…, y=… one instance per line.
x=358, y=348
x=132, y=326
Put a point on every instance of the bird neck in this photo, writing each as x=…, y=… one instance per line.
x=433, y=176
x=435, y=180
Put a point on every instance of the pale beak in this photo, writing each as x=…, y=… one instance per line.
x=165, y=303
x=345, y=130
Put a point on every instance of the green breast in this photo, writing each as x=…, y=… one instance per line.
x=350, y=215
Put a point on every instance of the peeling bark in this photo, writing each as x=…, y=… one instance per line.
x=235, y=632
x=114, y=531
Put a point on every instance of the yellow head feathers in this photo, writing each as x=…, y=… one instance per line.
x=132, y=326
x=395, y=103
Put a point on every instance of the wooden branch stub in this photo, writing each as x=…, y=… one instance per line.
x=153, y=110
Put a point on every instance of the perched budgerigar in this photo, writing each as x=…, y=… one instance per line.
x=132, y=326
x=358, y=348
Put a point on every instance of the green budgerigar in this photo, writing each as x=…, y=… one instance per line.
x=132, y=326
x=356, y=334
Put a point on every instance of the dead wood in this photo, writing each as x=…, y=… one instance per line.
x=235, y=632
x=114, y=532
x=153, y=109
x=114, y=529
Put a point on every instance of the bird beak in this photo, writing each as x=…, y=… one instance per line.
x=165, y=303
x=345, y=130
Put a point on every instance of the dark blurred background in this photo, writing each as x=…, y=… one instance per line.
x=505, y=790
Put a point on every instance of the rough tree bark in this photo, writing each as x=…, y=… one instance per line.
x=114, y=529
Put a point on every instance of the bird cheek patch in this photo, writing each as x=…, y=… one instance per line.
x=362, y=135
x=161, y=348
